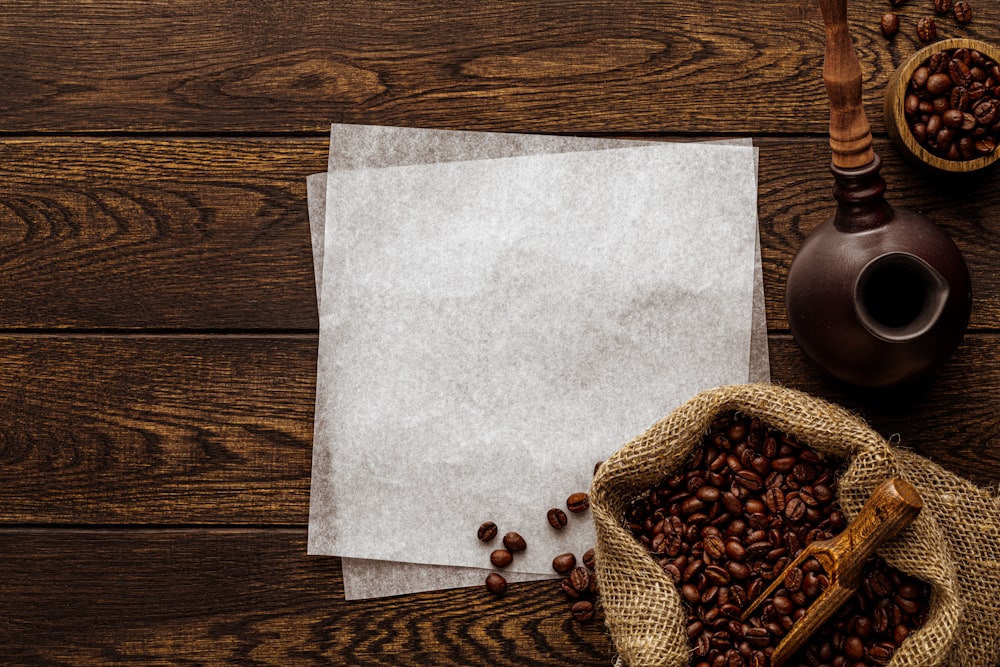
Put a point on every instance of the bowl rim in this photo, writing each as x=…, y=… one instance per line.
x=896, y=116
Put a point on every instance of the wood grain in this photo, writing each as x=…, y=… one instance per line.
x=139, y=597
x=212, y=234
x=587, y=66
x=218, y=430
x=158, y=333
x=157, y=234
x=161, y=430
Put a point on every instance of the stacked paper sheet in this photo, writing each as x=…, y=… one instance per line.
x=498, y=313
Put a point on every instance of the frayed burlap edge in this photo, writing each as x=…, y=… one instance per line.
x=642, y=608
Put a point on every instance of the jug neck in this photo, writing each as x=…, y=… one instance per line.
x=859, y=194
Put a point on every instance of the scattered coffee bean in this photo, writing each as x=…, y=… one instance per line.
x=564, y=563
x=578, y=502
x=487, y=531
x=942, y=6
x=926, y=29
x=588, y=559
x=579, y=579
x=889, y=24
x=963, y=12
x=583, y=610
x=514, y=542
x=501, y=558
x=496, y=584
x=557, y=518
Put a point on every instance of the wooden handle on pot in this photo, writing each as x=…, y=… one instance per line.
x=850, y=133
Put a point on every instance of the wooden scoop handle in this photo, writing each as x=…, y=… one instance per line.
x=892, y=507
x=850, y=133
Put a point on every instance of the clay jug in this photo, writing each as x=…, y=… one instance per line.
x=877, y=296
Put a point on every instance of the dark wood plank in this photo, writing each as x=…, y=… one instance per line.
x=157, y=234
x=951, y=417
x=581, y=66
x=148, y=429
x=213, y=234
x=218, y=430
x=241, y=597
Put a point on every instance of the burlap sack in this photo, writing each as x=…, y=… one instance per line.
x=954, y=544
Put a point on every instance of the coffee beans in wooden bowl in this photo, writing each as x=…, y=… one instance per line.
x=729, y=523
x=942, y=107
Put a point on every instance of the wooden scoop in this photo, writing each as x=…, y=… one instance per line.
x=890, y=509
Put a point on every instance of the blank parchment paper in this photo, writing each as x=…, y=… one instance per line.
x=497, y=326
x=364, y=145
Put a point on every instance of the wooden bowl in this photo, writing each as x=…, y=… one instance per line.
x=895, y=118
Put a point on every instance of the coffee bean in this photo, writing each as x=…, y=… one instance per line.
x=795, y=509
x=774, y=498
x=708, y=494
x=793, y=579
x=926, y=29
x=749, y=480
x=556, y=518
x=579, y=578
x=514, y=542
x=588, y=559
x=673, y=571
x=942, y=6
x=758, y=550
x=496, y=584
x=959, y=98
x=963, y=12
x=854, y=648
x=784, y=464
x=583, y=610
x=578, y=502
x=737, y=570
x=564, y=563
x=889, y=25
x=959, y=72
x=717, y=575
x=714, y=547
x=938, y=83
x=501, y=558
x=881, y=653
x=986, y=112
x=782, y=605
x=487, y=531
x=735, y=550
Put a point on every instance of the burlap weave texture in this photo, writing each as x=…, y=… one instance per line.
x=954, y=544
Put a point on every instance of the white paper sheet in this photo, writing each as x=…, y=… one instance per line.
x=548, y=294
x=359, y=146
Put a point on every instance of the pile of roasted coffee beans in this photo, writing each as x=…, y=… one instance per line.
x=732, y=520
x=926, y=30
x=952, y=104
x=577, y=581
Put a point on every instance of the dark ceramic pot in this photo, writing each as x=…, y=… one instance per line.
x=877, y=296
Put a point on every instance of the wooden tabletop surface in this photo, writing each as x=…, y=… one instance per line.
x=158, y=323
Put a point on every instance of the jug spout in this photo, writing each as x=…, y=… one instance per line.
x=899, y=297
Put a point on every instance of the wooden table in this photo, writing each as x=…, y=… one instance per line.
x=159, y=326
